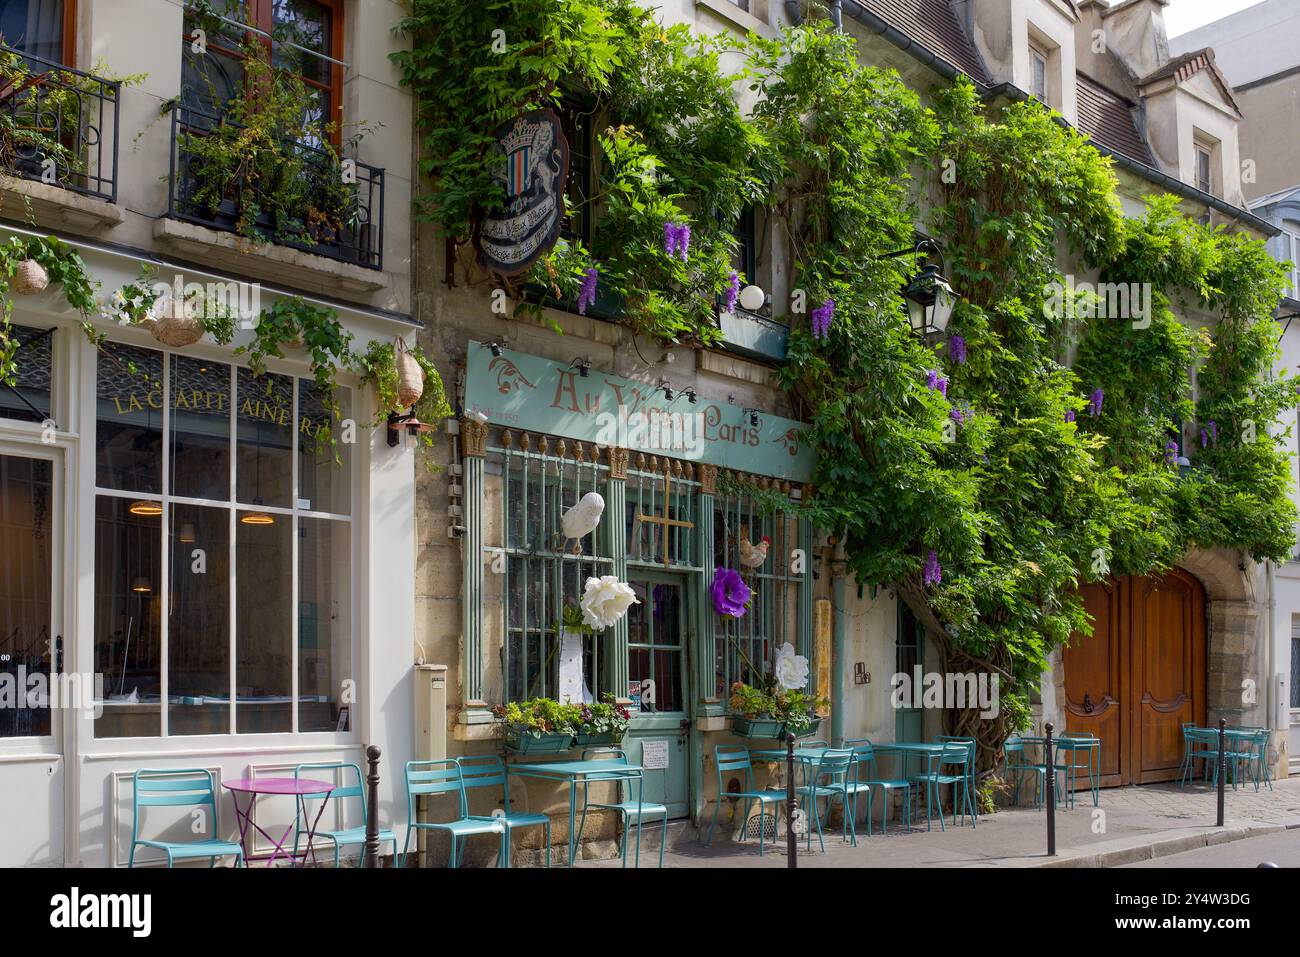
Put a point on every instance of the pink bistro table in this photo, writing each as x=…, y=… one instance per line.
x=298, y=788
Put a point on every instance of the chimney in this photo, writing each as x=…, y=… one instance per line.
x=1135, y=33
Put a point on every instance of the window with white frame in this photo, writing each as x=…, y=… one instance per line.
x=1291, y=253
x=1038, y=60
x=1204, y=165
x=223, y=542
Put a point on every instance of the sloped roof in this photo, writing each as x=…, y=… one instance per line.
x=1107, y=117
x=933, y=24
x=1187, y=65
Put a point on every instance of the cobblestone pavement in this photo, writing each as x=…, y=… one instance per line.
x=1130, y=823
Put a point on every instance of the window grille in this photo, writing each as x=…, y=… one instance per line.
x=539, y=479
x=776, y=612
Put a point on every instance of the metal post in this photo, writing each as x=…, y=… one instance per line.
x=1049, y=790
x=1223, y=766
x=370, y=857
x=791, y=805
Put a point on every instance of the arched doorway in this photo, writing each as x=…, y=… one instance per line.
x=1140, y=675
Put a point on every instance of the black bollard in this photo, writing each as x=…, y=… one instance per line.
x=1223, y=766
x=791, y=805
x=1049, y=790
x=370, y=857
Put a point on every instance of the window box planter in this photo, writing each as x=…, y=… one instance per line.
x=753, y=336
x=525, y=742
x=606, y=739
x=767, y=728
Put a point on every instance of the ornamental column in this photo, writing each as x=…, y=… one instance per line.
x=615, y=524
x=473, y=436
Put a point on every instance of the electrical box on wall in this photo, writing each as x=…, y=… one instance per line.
x=430, y=712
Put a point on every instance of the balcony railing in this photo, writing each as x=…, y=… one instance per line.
x=58, y=125
x=340, y=214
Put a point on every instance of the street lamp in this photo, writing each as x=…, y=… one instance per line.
x=930, y=299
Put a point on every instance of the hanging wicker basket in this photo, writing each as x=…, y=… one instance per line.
x=176, y=325
x=30, y=278
x=410, y=377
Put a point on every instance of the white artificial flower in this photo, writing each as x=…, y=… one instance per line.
x=605, y=600
x=791, y=670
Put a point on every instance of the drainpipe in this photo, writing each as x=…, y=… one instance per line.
x=840, y=611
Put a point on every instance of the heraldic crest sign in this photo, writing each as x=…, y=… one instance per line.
x=531, y=160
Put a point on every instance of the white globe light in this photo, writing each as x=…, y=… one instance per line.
x=752, y=298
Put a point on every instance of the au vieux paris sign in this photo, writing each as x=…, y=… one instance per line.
x=534, y=394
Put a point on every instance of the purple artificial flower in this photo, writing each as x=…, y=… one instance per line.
x=1171, y=451
x=957, y=349
x=684, y=240
x=821, y=319
x=733, y=292
x=1069, y=415
x=587, y=294
x=933, y=571
x=1094, y=404
x=730, y=593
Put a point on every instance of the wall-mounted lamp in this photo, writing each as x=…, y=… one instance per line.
x=691, y=396
x=582, y=365
x=930, y=300
x=407, y=425
x=753, y=417
x=496, y=348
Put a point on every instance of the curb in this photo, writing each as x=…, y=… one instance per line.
x=1172, y=842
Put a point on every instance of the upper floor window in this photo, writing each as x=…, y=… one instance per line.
x=1204, y=165
x=1038, y=72
x=303, y=37
x=1291, y=253
x=39, y=28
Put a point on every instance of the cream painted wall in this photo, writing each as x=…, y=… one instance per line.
x=996, y=20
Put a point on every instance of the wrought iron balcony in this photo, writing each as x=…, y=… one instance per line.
x=58, y=125
x=336, y=209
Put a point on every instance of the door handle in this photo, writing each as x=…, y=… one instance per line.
x=1087, y=703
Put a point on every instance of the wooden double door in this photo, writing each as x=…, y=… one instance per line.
x=1140, y=675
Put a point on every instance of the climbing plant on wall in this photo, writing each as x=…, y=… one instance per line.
x=983, y=476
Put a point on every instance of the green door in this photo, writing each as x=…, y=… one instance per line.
x=659, y=681
x=909, y=723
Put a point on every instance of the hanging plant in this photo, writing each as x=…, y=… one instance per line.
x=293, y=322
x=378, y=367
x=24, y=262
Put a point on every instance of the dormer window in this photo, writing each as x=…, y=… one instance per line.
x=1038, y=73
x=1205, y=161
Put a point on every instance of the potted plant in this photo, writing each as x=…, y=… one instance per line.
x=602, y=723
x=537, y=726
x=778, y=706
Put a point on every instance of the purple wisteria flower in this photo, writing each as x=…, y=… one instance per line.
x=932, y=574
x=684, y=240
x=1214, y=431
x=670, y=238
x=1069, y=415
x=821, y=318
x=957, y=349
x=932, y=378
x=677, y=239
x=733, y=292
x=730, y=593
x=1205, y=438
x=1094, y=403
x=587, y=294
x=1171, y=451
x=961, y=415
x=943, y=386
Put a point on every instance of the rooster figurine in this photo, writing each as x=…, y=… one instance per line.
x=753, y=556
x=581, y=520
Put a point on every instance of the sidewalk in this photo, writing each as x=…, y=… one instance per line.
x=1133, y=823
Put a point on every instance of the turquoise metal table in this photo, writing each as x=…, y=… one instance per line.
x=574, y=772
x=1072, y=746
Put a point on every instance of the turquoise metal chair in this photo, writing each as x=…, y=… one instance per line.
x=1249, y=755
x=187, y=787
x=1015, y=761
x=969, y=767
x=347, y=836
x=1069, y=749
x=428, y=778
x=626, y=808
x=489, y=771
x=934, y=778
x=869, y=768
x=729, y=758
x=834, y=775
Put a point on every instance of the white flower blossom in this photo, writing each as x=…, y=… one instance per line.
x=605, y=600
x=791, y=670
